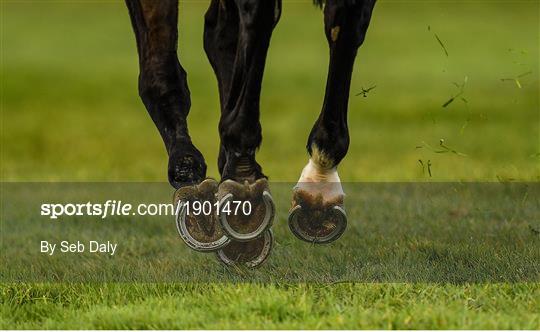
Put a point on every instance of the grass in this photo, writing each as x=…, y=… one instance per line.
x=445, y=233
x=70, y=112
x=307, y=306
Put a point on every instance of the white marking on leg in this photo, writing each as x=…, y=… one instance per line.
x=315, y=173
x=319, y=176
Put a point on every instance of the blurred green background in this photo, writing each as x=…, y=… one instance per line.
x=70, y=109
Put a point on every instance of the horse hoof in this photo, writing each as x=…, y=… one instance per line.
x=313, y=220
x=246, y=210
x=200, y=231
x=249, y=254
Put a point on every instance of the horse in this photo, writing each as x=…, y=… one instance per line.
x=237, y=36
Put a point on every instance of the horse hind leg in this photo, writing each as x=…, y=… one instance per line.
x=163, y=86
x=237, y=36
x=164, y=91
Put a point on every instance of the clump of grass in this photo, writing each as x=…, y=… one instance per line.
x=504, y=179
x=424, y=166
x=365, y=92
x=516, y=79
x=439, y=41
x=459, y=94
x=443, y=148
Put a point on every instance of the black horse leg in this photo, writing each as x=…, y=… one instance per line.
x=163, y=86
x=244, y=28
x=220, y=43
x=236, y=39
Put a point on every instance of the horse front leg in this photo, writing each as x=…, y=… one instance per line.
x=318, y=214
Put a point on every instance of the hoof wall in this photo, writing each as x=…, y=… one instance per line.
x=246, y=210
x=249, y=254
x=200, y=232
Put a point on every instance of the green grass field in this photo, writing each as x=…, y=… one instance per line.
x=70, y=112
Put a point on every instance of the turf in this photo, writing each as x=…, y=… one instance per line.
x=70, y=112
x=431, y=233
x=216, y=306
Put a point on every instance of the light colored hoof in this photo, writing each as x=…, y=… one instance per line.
x=201, y=232
x=250, y=254
x=236, y=199
x=313, y=221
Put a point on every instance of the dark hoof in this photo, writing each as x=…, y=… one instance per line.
x=249, y=254
x=200, y=231
x=246, y=211
x=313, y=220
x=186, y=166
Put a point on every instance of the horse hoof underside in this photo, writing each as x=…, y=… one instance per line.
x=200, y=231
x=246, y=210
x=250, y=254
x=316, y=220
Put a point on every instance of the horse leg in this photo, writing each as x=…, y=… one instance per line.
x=220, y=44
x=239, y=126
x=237, y=36
x=164, y=91
x=317, y=215
x=163, y=86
